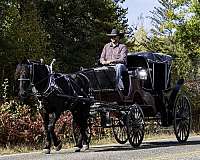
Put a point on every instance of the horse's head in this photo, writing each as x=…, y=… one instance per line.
x=23, y=75
x=33, y=77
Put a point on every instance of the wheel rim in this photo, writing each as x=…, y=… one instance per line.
x=135, y=124
x=120, y=129
x=182, y=118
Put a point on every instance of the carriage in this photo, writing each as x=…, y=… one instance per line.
x=148, y=94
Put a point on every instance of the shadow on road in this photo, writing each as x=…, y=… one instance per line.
x=145, y=145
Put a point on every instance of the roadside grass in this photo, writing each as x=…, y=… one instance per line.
x=17, y=149
x=97, y=140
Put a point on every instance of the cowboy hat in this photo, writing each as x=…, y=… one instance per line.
x=114, y=32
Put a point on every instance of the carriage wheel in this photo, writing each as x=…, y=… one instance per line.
x=182, y=118
x=120, y=129
x=135, y=125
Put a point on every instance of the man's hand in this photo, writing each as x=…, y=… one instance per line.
x=106, y=62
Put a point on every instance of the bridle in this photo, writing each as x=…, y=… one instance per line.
x=23, y=76
x=30, y=91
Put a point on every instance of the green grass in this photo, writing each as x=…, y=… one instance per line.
x=16, y=149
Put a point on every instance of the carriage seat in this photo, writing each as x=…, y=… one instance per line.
x=105, y=79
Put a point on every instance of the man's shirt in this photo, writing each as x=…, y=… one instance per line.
x=117, y=54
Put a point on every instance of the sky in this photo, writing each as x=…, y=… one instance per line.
x=136, y=8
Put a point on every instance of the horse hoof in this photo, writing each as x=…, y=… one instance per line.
x=77, y=149
x=46, y=151
x=85, y=147
x=59, y=146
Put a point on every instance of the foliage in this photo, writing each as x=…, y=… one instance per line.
x=22, y=36
x=137, y=41
x=21, y=125
x=5, y=88
x=17, y=126
x=182, y=20
x=187, y=33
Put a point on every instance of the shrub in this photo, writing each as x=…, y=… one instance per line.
x=21, y=125
x=17, y=125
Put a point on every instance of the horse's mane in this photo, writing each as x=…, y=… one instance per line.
x=41, y=76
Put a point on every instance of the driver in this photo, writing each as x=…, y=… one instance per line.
x=115, y=53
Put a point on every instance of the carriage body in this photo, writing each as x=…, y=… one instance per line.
x=146, y=90
x=150, y=89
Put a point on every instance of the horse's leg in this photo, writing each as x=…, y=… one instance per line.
x=76, y=130
x=80, y=118
x=84, y=126
x=83, y=135
x=47, y=145
x=51, y=126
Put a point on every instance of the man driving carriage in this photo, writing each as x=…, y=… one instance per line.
x=115, y=53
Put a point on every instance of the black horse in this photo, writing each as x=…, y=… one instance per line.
x=53, y=94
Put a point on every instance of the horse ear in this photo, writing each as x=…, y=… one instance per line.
x=41, y=60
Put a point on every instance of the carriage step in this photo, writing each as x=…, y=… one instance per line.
x=167, y=128
x=105, y=90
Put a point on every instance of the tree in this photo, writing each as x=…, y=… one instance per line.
x=77, y=28
x=137, y=42
x=176, y=28
x=188, y=32
x=160, y=38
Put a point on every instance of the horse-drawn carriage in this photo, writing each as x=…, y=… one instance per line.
x=148, y=93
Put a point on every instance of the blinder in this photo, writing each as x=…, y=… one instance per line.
x=26, y=79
